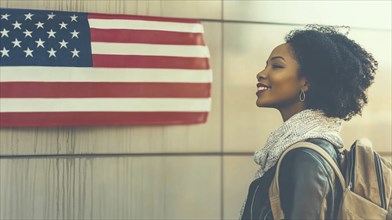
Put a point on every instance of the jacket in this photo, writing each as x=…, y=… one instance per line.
x=307, y=187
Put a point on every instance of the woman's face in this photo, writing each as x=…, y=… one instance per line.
x=279, y=84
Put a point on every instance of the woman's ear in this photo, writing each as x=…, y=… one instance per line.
x=304, y=84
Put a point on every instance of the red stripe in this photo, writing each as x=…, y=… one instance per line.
x=135, y=61
x=103, y=89
x=140, y=17
x=146, y=36
x=45, y=119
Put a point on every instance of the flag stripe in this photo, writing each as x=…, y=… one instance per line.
x=133, y=61
x=146, y=36
x=149, y=49
x=145, y=25
x=100, y=118
x=75, y=74
x=104, y=104
x=141, y=17
x=103, y=89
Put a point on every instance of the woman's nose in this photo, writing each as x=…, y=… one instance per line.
x=261, y=75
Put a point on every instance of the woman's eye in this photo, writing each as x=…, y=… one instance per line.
x=277, y=66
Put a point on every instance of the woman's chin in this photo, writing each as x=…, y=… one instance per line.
x=259, y=104
x=263, y=104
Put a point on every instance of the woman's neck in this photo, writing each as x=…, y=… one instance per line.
x=289, y=111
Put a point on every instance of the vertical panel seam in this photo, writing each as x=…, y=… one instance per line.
x=222, y=113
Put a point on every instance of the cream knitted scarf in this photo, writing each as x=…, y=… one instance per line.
x=301, y=126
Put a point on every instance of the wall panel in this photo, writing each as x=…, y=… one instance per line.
x=378, y=13
x=206, y=9
x=116, y=6
x=110, y=188
x=238, y=174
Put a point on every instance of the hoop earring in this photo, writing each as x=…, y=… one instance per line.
x=302, y=96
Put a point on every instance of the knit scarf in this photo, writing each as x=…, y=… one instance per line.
x=301, y=126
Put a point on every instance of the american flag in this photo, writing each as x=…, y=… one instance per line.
x=75, y=69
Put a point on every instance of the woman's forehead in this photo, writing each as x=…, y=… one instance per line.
x=282, y=50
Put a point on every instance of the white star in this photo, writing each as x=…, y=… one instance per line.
x=5, y=17
x=63, y=25
x=16, y=42
x=51, y=33
x=63, y=44
x=28, y=33
x=4, y=52
x=51, y=16
x=74, y=34
x=28, y=16
x=40, y=25
x=4, y=32
x=29, y=52
x=17, y=25
x=75, y=53
x=40, y=43
x=52, y=52
x=73, y=18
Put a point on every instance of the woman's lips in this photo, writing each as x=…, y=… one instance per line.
x=262, y=88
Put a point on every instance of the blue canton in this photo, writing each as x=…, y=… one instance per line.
x=44, y=38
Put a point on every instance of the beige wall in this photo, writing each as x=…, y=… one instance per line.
x=135, y=172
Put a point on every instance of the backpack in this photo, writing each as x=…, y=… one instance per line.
x=366, y=180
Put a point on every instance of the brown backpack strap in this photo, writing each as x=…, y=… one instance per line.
x=274, y=195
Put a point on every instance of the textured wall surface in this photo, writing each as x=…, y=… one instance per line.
x=183, y=172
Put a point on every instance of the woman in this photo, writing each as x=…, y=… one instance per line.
x=317, y=79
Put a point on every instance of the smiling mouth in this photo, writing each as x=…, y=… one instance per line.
x=262, y=88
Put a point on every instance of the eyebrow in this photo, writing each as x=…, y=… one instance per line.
x=277, y=57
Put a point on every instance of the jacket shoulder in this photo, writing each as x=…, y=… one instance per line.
x=305, y=158
x=305, y=179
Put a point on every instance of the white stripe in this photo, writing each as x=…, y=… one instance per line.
x=105, y=104
x=88, y=74
x=145, y=25
x=149, y=49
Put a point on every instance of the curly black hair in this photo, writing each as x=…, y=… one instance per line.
x=337, y=69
